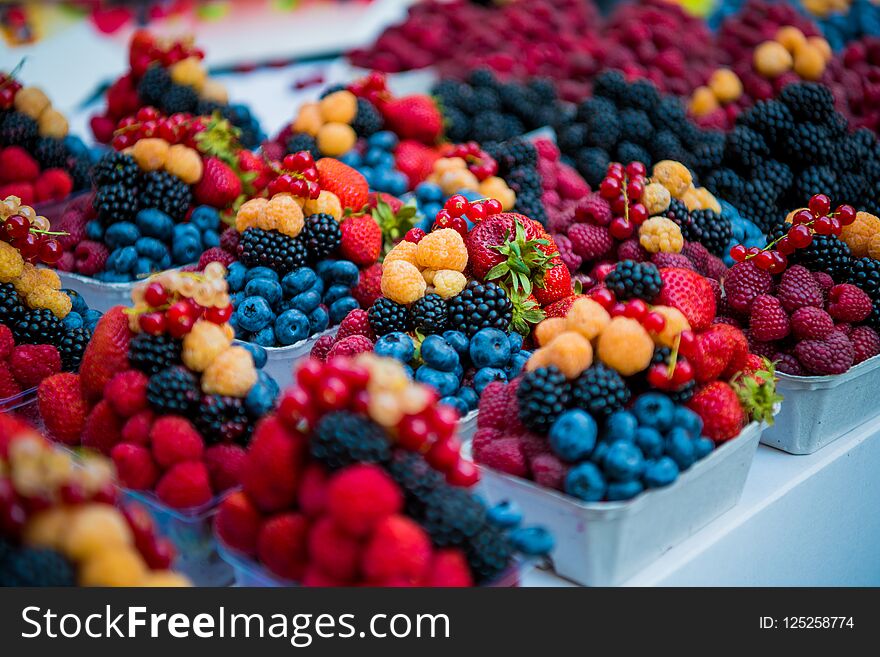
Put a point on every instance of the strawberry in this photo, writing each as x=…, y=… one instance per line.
x=498, y=230
x=413, y=117
x=560, y=308
x=219, y=186
x=16, y=165
x=238, y=523
x=361, y=240
x=250, y=162
x=271, y=472
x=106, y=354
x=224, y=465
x=718, y=406
x=347, y=183
x=102, y=429
x=392, y=201
x=690, y=293
x=739, y=356
x=415, y=160
x=710, y=353
x=62, y=407
x=556, y=284
x=185, y=485
x=282, y=545
x=369, y=286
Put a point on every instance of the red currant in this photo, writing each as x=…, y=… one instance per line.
x=147, y=113
x=738, y=253
x=609, y=188
x=820, y=205
x=414, y=235
x=412, y=432
x=314, y=190
x=634, y=190
x=28, y=246
x=822, y=225
x=638, y=213
x=618, y=205
x=295, y=406
x=51, y=251
x=310, y=174
x=463, y=475
x=846, y=214
x=836, y=227
x=635, y=169
x=300, y=161
x=658, y=376
x=181, y=326
x=635, y=309
x=682, y=373
x=444, y=454
x=152, y=323
x=617, y=309
x=332, y=394
x=764, y=260
x=604, y=297
x=615, y=170
x=16, y=227
x=602, y=270
x=802, y=217
x=753, y=251
x=442, y=219
x=219, y=314
x=493, y=206
x=654, y=322
x=779, y=263
x=800, y=235
x=620, y=228
x=456, y=205
x=476, y=211
x=156, y=295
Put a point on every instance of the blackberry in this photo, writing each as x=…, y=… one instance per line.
x=479, y=306
x=603, y=129
x=367, y=121
x=29, y=566
x=174, y=391
x=600, y=391
x=610, y=84
x=152, y=354
x=51, y=153
x=635, y=126
x=529, y=203
x=72, y=347
x=711, y=229
x=669, y=114
x=641, y=95
x=709, y=155
x=745, y=148
x=321, y=235
x=429, y=314
x=17, y=129
x=39, y=326
x=452, y=515
x=572, y=137
x=634, y=280
x=115, y=203
x=865, y=273
x=492, y=126
x=678, y=212
x=81, y=173
x=769, y=118
x=488, y=553
x=154, y=84
x=826, y=253
x=269, y=248
x=808, y=101
x=343, y=438
x=180, y=99
x=684, y=394
x=484, y=99
x=223, y=420
x=167, y=193
x=11, y=307
x=808, y=143
x=513, y=153
x=458, y=124
x=455, y=94
x=777, y=174
x=725, y=183
x=302, y=141
x=116, y=168
x=543, y=394
x=483, y=77
x=630, y=152
x=416, y=477
x=592, y=164
x=666, y=146
x=208, y=107
x=813, y=180
x=387, y=316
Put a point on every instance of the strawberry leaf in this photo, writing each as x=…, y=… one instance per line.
x=757, y=392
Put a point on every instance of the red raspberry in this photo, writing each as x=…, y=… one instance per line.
x=493, y=406
x=282, y=545
x=62, y=407
x=483, y=437
x=350, y=346
x=593, y=209
x=7, y=342
x=833, y=355
x=229, y=240
x=716, y=288
x=672, y=260
x=17, y=165
x=725, y=319
x=175, y=440
x=8, y=386
x=824, y=281
x=698, y=255
x=505, y=455
x=53, y=185
x=548, y=471
x=569, y=183
x=31, y=363
x=715, y=268
x=90, y=257
x=788, y=364
x=743, y=282
x=215, y=254
x=866, y=343
x=134, y=466
x=322, y=347
x=102, y=429
x=848, y=303
x=369, y=286
x=797, y=288
x=768, y=320
x=238, y=522
x=272, y=469
x=312, y=496
x=590, y=242
x=809, y=323
x=449, y=568
x=136, y=429
x=763, y=349
x=185, y=485
x=571, y=259
x=844, y=327
x=629, y=250
x=127, y=392
x=398, y=552
x=333, y=552
x=357, y=322
x=547, y=149
x=225, y=463
x=359, y=496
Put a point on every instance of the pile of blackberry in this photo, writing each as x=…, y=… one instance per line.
x=783, y=151
x=223, y=420
x=430, y=314
x=152, y=354
x=518, y=165
x=865, y=273
x=344, y=438
x=600, y=391
x=174, y=391
x=387, y=316
x=711, y=229
x=479, y=306
x=634, y=280
x=162, y=191
x=543, y=394
x=269, y=248
x=321, y=235
x=123, y=190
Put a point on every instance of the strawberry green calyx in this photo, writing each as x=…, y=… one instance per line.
x=526, y=312
x=394, y=225
x=526, y=261
x=757, y=392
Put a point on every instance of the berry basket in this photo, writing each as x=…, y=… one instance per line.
x=249, y=573
x=24, y=404
x=467, y=426
x=191, y=531
x=281, y=360
x=820, y=409
x=605, y=543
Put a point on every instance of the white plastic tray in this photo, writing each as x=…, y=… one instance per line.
x=281, y=360
x=98, y=294
x=604, y=543
x=467, y=426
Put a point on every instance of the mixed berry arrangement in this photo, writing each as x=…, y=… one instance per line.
x=357, y=479
x=61, y=523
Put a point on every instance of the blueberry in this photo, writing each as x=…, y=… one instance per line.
x=352, y=158
x=318, y=285
x=78, y=304
x=517, y=363
x=649, y=441
x=185, y=250
x=254, y=313
x=516, y=342
x=335, y=292
x=703, y=447
x=155, y=223
x=143, y=267
x=619, y=491
x=123, y=233
x=204, y=217
x=688, y=420
x=396, y=345
x=428, y=192
x=150, y=247
x=624, y=461
x=181, y=231
x=456, y=402
x=262, y=396
x=344, y=272
x=680, y=448
x=585, y=481
x=384, y=140
x=599, y=453
x=661, y=472
x=94, y=230
x=210, y=239
x=323, y=268
x=291, y=326
x=446, y=383
x=259, y=354
x=469, y=396
x=506, y=514
x=237, y=298
x=261, y=272
x=532, y=541
x=397, y=182
x=620, y=425
x=113, y=276
x=429, y=211
x=487, y=375
x=306, y=302
x=265, y=337
x=438, y=354
x=374, y=156
x=369, y=175
x=490, y=348
x=340, y=308
x=73, y=321
x=298, y=281
x=409, y=371
x=165, y=262
x=573, y=435
x=91, y=317
x=457, y=340
x=263, y=287
x=319, y=320
x=122, y=261
x=654, y=410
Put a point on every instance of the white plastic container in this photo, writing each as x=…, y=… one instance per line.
x=97, y=294
x=467, y=426
x=281, y=360
x=605, y=543
x=817, y=410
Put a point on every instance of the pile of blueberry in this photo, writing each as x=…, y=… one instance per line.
x=376, y=163
x=274, y=311
x=457, y=367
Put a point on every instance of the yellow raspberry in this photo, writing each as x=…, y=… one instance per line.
x=495, y=187
x=189, y=72
x=53, y=123
x=385, y=409
x=203, y=344
x=587, y=317
x=539, y=358
x=700, y=198
x=402, y=282
x=326, y=203
x=656, y=198
x=809, y=62
x=448, y=282
x=150, y=154
x=94, y=528
x=625, y=346
x=113, y=567
x=308, y=120
x=859, y=233
x=676, y=322
x=442, y=249
x=32, y=101
x=571, y=352
x=428, y=275
x=11, y=263
x=674, y=176
x=822, y=46
x=659, y=234
x=548, y=329
x=452, y=181
x=248, y=215
x=164, y=579
x=874, y=247
x=28, y=280
x=232, y=373
x=790, y=38
x=49, y=277
x=446, y=164
x=283, y=214
x=216, y=91
x=184, y=163
x=403, y=250
x=339, y=107
x=771, y=59
x=335, y=139
x=726, y=85
x=48, y=528
x=702, y=102
x=57, y=301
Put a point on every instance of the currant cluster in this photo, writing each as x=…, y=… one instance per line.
x=623, y=187
x=816, y=219
x=148, y=122
x=297, y=175
x=167, y=310
x=371, y=87
x=9, y=86
x=32, y=239
x=479, y=162
x=457, y=207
